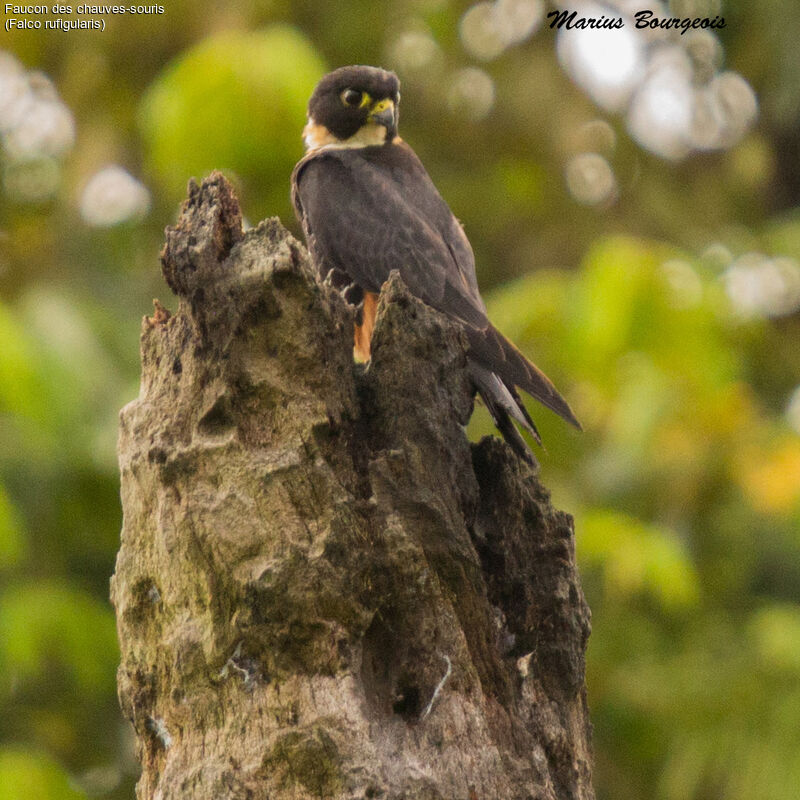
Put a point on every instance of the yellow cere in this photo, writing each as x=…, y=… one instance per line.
x=382, y=105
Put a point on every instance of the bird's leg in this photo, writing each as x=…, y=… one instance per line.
x=365, y=323
x=365, y=305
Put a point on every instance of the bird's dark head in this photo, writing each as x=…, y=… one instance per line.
x=353, y=107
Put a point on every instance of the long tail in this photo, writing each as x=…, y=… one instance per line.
x=498, y=368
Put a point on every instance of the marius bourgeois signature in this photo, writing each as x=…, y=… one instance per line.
x=641, y=19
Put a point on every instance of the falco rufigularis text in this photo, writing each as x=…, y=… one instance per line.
x=367, y=206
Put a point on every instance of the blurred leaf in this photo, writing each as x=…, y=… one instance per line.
x=607, y=306
x=58, y=388
x=22, y=389
x=527, y=305
x=12, y=541
x=28, y=776
x=782, y=237
x=49, y=631
x=636, y=557
x=80, y=372
x=770, y=476
x=776, y=632
x=235, y=101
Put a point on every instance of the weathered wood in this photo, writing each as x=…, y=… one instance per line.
x=323, y=589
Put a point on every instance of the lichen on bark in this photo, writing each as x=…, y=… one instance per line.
x=312, y=550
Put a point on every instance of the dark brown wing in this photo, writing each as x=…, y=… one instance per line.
x=370, y=210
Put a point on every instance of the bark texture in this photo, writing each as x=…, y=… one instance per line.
x=323, y=589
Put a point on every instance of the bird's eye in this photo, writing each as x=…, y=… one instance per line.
x=352, y=97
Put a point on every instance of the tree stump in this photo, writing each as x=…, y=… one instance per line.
x=323, y=589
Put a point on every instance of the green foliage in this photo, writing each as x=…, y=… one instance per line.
x=775, y=631
x=636, y=557
x=46, y=627
x=24, y=776
x=59, y=522
x=22, y=390
x=12, y=538
x=685, y=485
x=236, y=101
x=43, y=397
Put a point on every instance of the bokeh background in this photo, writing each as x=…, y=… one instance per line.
x=632, y=198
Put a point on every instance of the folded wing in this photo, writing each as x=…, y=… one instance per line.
x=369, y=211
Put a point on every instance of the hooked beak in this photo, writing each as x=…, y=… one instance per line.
x=384, y=113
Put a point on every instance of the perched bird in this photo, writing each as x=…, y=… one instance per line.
x=367, y=206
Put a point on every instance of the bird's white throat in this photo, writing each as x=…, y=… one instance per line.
x=317, y=136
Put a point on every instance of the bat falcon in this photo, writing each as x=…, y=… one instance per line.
x=367, y=207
